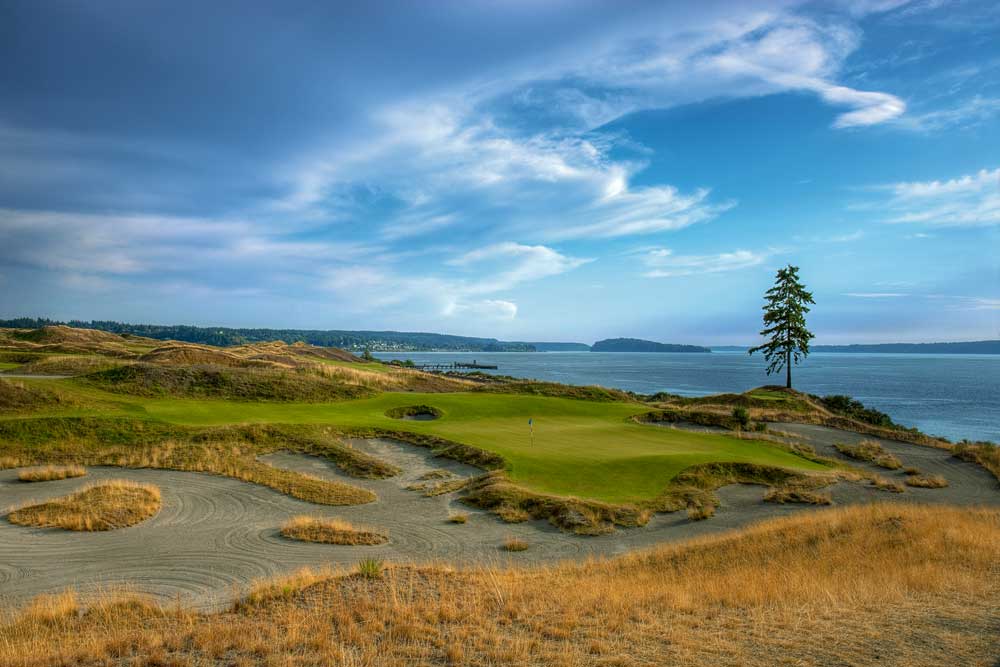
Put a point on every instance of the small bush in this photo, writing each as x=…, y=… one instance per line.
x=742, y=416
x=927, y=481
x=370, y=568
x=458, y=518
x=515, y=544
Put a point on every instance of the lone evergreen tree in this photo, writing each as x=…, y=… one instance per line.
x=785, y=323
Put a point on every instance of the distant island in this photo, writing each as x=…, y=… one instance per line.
x=639, y=345
x=970, y=347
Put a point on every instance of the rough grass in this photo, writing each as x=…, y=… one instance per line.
x=229, y=451
x=883, y=484
x=458, y=517
x=102, y=506
x=792, y=494
x=19, y=396
x=871, y=452
x=73, y=364
x=331, y=531
x=865, y=585
x=926, y=481
x=986, y=454
x=515, y=544
x=211, y=381
x=51, y=473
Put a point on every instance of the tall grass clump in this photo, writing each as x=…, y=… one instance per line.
x=371, y=568
x=102, y=506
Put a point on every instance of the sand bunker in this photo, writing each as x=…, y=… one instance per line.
x=214, y=535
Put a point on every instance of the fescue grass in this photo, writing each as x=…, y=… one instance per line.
x=700, y=511
x=458, y=517
x=884, y=484
x=871, y=452
x=986, y=454
x=51, y=473
x=331, y=531
x=926, y=481
x=230, y=451
x=782, y=495
x=862, y=585
x=102, y=506
x=371, y=568
x=515, y=544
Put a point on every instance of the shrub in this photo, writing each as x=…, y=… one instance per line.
x=700, y=511
x=849, y=407
x=742, y=416
x=370, y=568
x=458, y=518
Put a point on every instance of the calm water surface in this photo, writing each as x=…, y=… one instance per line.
x=952, y=395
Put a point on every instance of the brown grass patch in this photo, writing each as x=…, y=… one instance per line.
x=331, y=531
x=103, y=506
x=926, y=481
x=872, y=452
x=515, y=544
x=459, y=517
x=862, y=585
x=791, y=494
x=884, y=484
x=51, y=473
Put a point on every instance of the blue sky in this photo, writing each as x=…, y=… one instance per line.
x=562, y=170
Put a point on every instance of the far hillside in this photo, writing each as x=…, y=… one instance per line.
x=639, y=345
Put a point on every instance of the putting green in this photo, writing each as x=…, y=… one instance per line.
x=580, y=448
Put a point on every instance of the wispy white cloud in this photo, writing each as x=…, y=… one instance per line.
x=663, y=263
x=456, y=159
x=971, y=200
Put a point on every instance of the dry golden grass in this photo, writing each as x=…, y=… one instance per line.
x=460, y=517
x=331, y=531
x=515, y=544
x=866, y=585
x=926, y=481
x=883, y=484
x=791, y=494
x=51, y=473
x=872, y=452
x=103, y=506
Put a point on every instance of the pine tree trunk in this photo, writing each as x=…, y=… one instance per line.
x=788, y=370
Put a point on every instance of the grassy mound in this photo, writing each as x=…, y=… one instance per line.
x=69, y=364
x=103, y=506
x=330, y=531
x=16, y=395
x=51, y=473
x=986, y=454
x=865, y=586
x=143, y=379
x=190, y=355
x=871, y=452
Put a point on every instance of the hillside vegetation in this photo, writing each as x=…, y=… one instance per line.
x=867, y=585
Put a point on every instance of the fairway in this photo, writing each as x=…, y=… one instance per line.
x=581, y=448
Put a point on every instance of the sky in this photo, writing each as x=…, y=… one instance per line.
x=563, y=170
